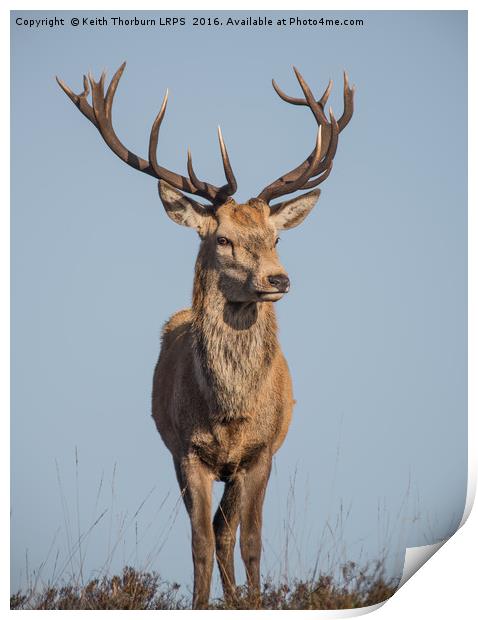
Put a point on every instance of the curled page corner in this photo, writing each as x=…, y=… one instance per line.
x=340, y=613
x=416, y=557
x=471, y=488
x=360, y=611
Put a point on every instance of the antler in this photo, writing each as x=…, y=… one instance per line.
x=318, y=165
x=100, y=114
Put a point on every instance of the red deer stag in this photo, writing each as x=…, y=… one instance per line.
x=222, y=393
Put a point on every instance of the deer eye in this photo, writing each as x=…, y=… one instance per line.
x=223, y=241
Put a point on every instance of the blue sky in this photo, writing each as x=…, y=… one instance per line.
x=376, y=453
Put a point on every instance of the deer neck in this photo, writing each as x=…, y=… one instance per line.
x=234, y=346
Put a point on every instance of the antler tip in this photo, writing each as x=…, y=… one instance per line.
x=162, y=110
x=346, y=82
x=119, y=71
x=66, y=89
x=221, y=138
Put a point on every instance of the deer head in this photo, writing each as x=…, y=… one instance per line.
x=238, y=240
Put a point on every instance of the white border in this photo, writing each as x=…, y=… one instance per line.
x=445, y=586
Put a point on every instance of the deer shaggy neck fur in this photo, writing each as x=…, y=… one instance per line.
x=234, y=345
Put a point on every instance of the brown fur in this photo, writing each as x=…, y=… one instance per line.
x=222, y=393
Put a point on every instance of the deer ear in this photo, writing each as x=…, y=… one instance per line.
x=293, y=212
x=184, y=210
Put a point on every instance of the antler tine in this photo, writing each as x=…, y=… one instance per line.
x=110, y=93
x=231, y=186
x=80, y=100
x=325, y=97
x=102, y=111
x=315, y=160
x=327, y=163
x=200, y=185
x=297, y=184
x=282, y=95
x=154, y=134
x=299, y=101
x=332, y=146
x=319, y=179
x=348, y=103
x=176, y=180
x=317, y=109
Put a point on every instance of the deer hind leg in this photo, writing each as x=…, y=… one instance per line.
x=195, y=481
x=255, y=483
x=226, y=521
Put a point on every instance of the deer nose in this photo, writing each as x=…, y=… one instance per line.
x=280, y=281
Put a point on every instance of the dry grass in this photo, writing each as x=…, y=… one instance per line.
x=132, y=590
x=358, y=588
x=145, y=590
x=340, y=585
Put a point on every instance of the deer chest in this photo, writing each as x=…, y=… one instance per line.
x=228, y=448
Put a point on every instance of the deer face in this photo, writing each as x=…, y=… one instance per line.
x=239, y=241
x=244, y=248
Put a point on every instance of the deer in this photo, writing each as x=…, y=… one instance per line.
x=222, y=395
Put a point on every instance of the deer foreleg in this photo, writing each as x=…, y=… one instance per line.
x=255, y=483
x=226, y=521
x=195, y=481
